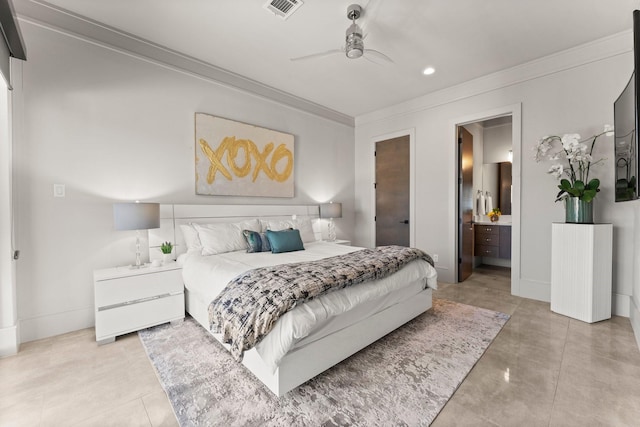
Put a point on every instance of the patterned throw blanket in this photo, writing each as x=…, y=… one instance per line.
x=249, y=306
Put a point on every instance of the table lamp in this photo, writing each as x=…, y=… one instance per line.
x=136, y=216
x=331, y=210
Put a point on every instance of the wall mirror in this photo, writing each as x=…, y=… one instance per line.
x=496, y=179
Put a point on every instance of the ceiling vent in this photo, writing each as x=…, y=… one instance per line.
x=283, y=8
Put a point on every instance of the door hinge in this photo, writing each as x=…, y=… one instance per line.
x=375, y=185
x=459, y=260
x=375, y=218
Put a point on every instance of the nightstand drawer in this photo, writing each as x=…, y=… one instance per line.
x=132, y=317
x=137, y=287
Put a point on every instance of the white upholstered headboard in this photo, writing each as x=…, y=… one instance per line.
x=171, y=216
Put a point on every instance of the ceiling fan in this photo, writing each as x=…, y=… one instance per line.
x=354, y=42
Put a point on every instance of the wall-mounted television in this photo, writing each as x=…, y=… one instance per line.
x=626, y=120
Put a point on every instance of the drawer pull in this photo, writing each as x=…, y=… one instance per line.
x=137, y=301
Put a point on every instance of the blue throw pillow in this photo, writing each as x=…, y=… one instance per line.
x=285, y=241
x=256, y=242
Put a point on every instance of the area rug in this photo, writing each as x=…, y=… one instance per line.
x=405, y=378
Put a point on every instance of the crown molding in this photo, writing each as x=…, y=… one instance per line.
x=607, y=47
x=52, y=17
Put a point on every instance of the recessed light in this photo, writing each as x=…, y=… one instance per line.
x=428, y=71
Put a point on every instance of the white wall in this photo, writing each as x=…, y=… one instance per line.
x=113, y=127
x=569, y=92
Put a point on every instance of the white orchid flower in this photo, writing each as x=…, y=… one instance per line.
x=570, y=140
x=575, y=158
x=544, y=145
x=556, y=170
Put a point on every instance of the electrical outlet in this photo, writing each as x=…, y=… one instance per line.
x=435, y=257
x=58, y=190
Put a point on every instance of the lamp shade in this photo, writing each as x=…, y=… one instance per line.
x=136, y=216
x=331, y=210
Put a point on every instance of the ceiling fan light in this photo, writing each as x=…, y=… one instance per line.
x=354, y=47
x=354, y=52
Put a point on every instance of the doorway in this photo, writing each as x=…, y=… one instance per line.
x=392, y=191
x=492, y=188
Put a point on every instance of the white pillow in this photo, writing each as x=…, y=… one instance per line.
x=302, y=224
x=224, y=237
x=191, y=238
x=306, y=229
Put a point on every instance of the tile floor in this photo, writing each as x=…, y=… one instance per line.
x=543, y=369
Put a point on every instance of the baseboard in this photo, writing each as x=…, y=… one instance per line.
x=635, y=320
x=445, y=275
x=540, y=291
x=8, y=341
x=55, y=324
x=620, y=305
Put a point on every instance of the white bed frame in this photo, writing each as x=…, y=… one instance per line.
x=304, y=363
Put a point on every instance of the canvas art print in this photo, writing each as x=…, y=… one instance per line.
x=237, y=159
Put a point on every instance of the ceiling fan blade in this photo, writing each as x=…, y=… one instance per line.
x=318, y=55
x=372, y=53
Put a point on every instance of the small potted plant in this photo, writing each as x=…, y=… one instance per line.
x=167, y=249
x=494, y=215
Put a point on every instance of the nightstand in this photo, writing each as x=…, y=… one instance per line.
x=127, y=300
x=341, y=242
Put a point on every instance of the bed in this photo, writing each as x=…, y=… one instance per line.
x=311, y=337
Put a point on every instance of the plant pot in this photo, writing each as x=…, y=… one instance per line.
x=494, y=218
x=167, y=258
x=578, y=211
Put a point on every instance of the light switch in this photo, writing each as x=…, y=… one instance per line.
x=58, y=190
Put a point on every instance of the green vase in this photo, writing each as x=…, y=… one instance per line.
x=578, y=211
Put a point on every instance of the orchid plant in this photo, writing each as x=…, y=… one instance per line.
x=576, y=155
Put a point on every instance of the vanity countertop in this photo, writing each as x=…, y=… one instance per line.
x=503, y=223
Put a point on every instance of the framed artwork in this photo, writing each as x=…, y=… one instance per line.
x=237, y=159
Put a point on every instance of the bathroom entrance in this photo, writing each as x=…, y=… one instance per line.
x=485, y=195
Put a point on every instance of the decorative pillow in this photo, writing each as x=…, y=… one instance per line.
x=257, y=242
x=304, y=225
x=191, y=238
x=224, y=237
x=284, y=241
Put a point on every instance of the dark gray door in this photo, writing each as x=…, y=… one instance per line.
x=392, y=192
x=465, y=204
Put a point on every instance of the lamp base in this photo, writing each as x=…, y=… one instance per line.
x=331, y=228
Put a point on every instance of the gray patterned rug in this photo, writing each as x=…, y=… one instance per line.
x=405, y=378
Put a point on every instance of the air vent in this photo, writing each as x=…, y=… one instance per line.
x=283, y=8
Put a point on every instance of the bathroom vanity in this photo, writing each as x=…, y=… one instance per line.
x=492, y=239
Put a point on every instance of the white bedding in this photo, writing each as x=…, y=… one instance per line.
x=206, y=276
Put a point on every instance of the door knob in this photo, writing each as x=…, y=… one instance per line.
x=406, y=221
